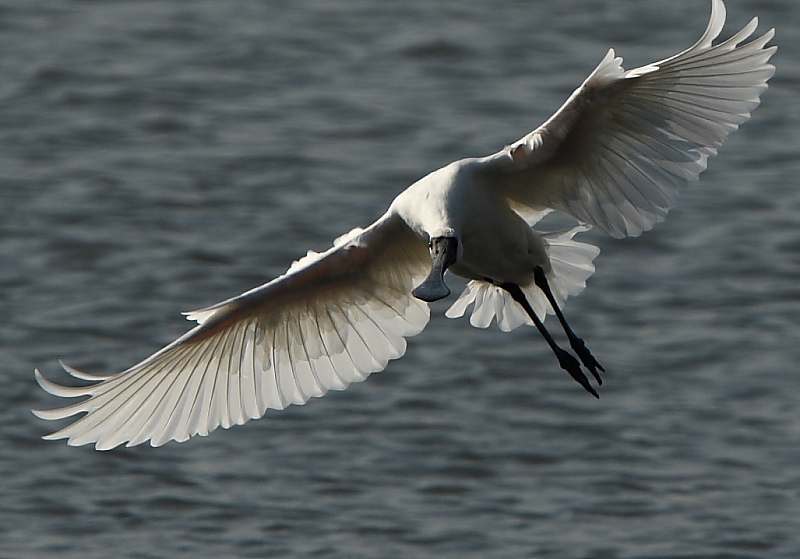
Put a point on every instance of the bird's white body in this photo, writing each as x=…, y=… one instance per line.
x=614, y=156
x=462, y=201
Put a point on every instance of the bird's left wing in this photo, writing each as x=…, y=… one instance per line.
x=331, y=320
x=618, y=151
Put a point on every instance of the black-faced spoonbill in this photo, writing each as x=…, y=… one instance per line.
x=614, y=156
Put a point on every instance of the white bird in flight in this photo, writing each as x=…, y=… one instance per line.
x=614, y=156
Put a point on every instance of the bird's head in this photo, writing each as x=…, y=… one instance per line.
x=444, y=253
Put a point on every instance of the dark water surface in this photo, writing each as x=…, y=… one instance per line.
x=161, y=156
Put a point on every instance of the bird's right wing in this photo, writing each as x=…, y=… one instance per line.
x=331, y=320
x=618, y=151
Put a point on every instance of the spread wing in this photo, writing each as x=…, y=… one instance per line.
x=618, y=151
x=331, y=320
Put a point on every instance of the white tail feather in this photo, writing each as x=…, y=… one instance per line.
x=571, y=265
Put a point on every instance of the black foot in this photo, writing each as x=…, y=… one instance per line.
x=573, y=367
x=587, y=358
x=565, y=359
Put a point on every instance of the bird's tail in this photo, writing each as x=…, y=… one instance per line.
x=571, y=265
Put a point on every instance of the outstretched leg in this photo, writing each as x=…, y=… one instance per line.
x=576, y=343
x=565, y=359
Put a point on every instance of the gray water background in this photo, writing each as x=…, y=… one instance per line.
x=157, y=157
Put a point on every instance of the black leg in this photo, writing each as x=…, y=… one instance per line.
x=567, y=361
x=576, y=343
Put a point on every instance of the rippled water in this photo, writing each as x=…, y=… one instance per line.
x=161, y=156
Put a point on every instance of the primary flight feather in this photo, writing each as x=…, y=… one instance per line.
x=614, y=156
